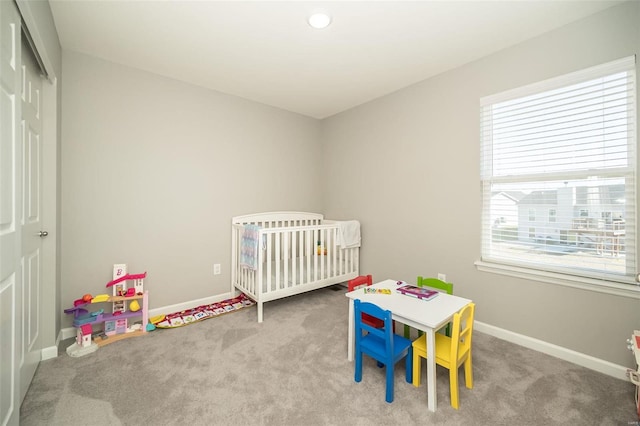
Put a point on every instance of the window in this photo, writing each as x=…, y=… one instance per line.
x=566, y=146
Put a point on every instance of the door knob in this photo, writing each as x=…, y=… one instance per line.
x=43, y=233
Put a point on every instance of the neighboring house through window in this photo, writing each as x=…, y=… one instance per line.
x=564, y=148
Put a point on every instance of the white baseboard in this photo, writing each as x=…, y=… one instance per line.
x=69, y=332
x=49, y=353
x=578, y=358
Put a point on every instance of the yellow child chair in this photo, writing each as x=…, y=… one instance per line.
x=438, y=285
x=451, y=352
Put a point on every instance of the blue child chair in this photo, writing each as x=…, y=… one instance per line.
x=380, y=344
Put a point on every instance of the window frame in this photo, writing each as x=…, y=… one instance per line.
x=621, y=285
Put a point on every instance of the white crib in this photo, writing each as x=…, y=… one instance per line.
x=298, y=252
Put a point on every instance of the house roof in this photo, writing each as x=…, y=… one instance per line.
x=515, y=196
x=584, y=195
x=541, y=197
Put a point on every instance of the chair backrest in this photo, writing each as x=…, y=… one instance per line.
x=435, y=283
x=384, y=333
x=462, y=333
x=361, y=281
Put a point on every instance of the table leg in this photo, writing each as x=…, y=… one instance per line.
x=351, y=337
x=431, y=369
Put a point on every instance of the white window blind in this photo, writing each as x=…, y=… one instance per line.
x=559, y=174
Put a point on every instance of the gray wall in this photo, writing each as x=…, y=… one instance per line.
x=407, y=166
x=150, y=177
x=153, y=170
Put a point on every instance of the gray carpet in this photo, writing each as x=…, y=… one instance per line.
x=293, y=370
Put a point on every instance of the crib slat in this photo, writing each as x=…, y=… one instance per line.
x=285, y=255
x=322, y=259
x=335, y=253
x=310, y=239
x=278, y=283
x=294, y=251
x=341, y=260
x=315, y=256
x=317, y=270
x=301, y=257
x=268, y=262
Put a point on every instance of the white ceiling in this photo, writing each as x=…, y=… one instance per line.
x=265, y=51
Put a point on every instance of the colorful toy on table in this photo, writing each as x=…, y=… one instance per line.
x=369, y=290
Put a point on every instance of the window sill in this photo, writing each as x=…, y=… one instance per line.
x=600, y=286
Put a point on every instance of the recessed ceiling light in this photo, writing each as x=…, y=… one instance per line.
x=319, y=20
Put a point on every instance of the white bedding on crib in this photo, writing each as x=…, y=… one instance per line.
x=348, y=233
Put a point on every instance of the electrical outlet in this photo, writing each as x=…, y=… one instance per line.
x=442, y=277
x=216, y=269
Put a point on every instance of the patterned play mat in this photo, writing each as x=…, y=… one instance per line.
x=189, y=316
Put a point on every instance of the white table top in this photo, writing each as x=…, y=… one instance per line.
x=418, y=313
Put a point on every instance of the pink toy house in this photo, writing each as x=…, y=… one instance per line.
x=83, y=337
x=119, y=286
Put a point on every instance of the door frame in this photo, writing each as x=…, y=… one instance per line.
x=50, y=302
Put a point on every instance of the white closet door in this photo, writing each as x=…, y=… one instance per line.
x=31, y=95
x=10, y=214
